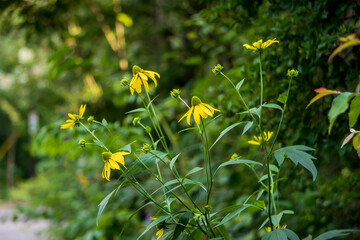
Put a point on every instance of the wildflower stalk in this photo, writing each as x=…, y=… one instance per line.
x=92, y=134
x=149, y=133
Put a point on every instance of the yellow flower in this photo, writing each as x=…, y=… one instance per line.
x=111, y=161
x=258, y=140
x=200, y=109
x=159, y=233
x=74, y=119
x=260, y=45
x=268, y=229
x=140, y=77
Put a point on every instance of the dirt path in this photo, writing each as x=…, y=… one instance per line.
x=21, y=229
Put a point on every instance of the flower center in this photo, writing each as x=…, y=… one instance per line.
x=136, y=69
x=106, y=156
x=195, y=101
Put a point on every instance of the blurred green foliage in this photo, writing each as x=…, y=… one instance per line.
x=55, y=56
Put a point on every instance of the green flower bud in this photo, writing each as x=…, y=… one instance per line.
x=106, y=156
x=234, y=156
x=124, y=82
x=175, y=93
x=195, y=101
x=146, y=148
x=82, y=143
x=148, y=129
x=207, y=208
x=136, y=69
x=292, y=73
x=136, y=121
x=90, y=120
x=217, y=69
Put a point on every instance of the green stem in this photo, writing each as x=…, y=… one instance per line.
x=92, y=134
x=208, y=157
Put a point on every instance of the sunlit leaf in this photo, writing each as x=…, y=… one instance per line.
x=247, y=127
x=354, y=111
x=238, y=86
x=137, y=110
x=226, y=130
x=335, y=233
x=339, y=105
x=235, y=162
x=272, y=105
x=351, y=42
x=322, y=92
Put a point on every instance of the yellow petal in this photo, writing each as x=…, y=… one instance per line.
x=143, y=76
x=206, y=110
x=113, y=164
x=71, y=116
x=106, y=172
x=67, y=125
x=188, y=112
x=151, y=75
x=196, y=114
x=146, y=85
x=82, y=110
x=210, y=108
x=189, y=115
x=252, y=142
x=202, y=112
x=249, y=47
x=159, y=233
x=118, y=158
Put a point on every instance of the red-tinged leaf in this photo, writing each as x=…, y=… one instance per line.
x=349, y=137
x=350, y=43
x=322, y=92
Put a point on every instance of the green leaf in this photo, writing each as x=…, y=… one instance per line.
x=104, y=122
x=238, y=86
x=308, y=238
x=102, y=205
x=223, y=232
x=185, y=181
x=339, y=105
x=247, y=127
x=231, y=215
x=148, y=159
x=290, y=234
x=226, y=130
x=335, y=233
x=100, y=144
x=297, y=154
x=253, y=110
x=132, y=215
x=194, y=170
x=153, y=224
x=148, y=106
x=275, y=235
x=235, y=162
x=272, y=105
x=137, y=110
x=173, y=160
x=187, y=129
x=127, y=148
x=354, y=111
x=282, y=98
x=276, y=218
x=183, y=221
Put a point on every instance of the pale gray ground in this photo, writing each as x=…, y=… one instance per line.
x=21, y=229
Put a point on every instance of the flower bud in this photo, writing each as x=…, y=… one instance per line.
x=136, y=69
x=124, y=82
x=90, y=120
x=292, y=73
x=207, y=208
x=148, y=129
x=82, y=143
x=106, y=156
x=175, y=93
x=217, y=69
x=234, y=156
x=146, y=148
x=136, y=121
x=195, y=101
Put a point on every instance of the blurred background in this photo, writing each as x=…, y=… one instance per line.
x=57, y=55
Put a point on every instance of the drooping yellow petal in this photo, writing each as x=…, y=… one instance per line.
x=118, y=158
x=70, y=121
x=189, y=115
x=186, y=114
x=206, y=110
x=210, y=108
x=197, y=114
x=143, y=76
x=113, y=164
x=146, y=85
x=151, y=75
x=106, y=172
x=203, y=114
x=258, y=44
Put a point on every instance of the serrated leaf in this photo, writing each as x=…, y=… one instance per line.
x=335, y=233
x=173, y=160
x=226, y=130
x=183, y=221
x=272, y=105
x=339, y=105
x=102, y=205
x=137, y=110
x=297, y=154
x=238, y=86
x=354, y=111
x=235, y=162
x=247, y=127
